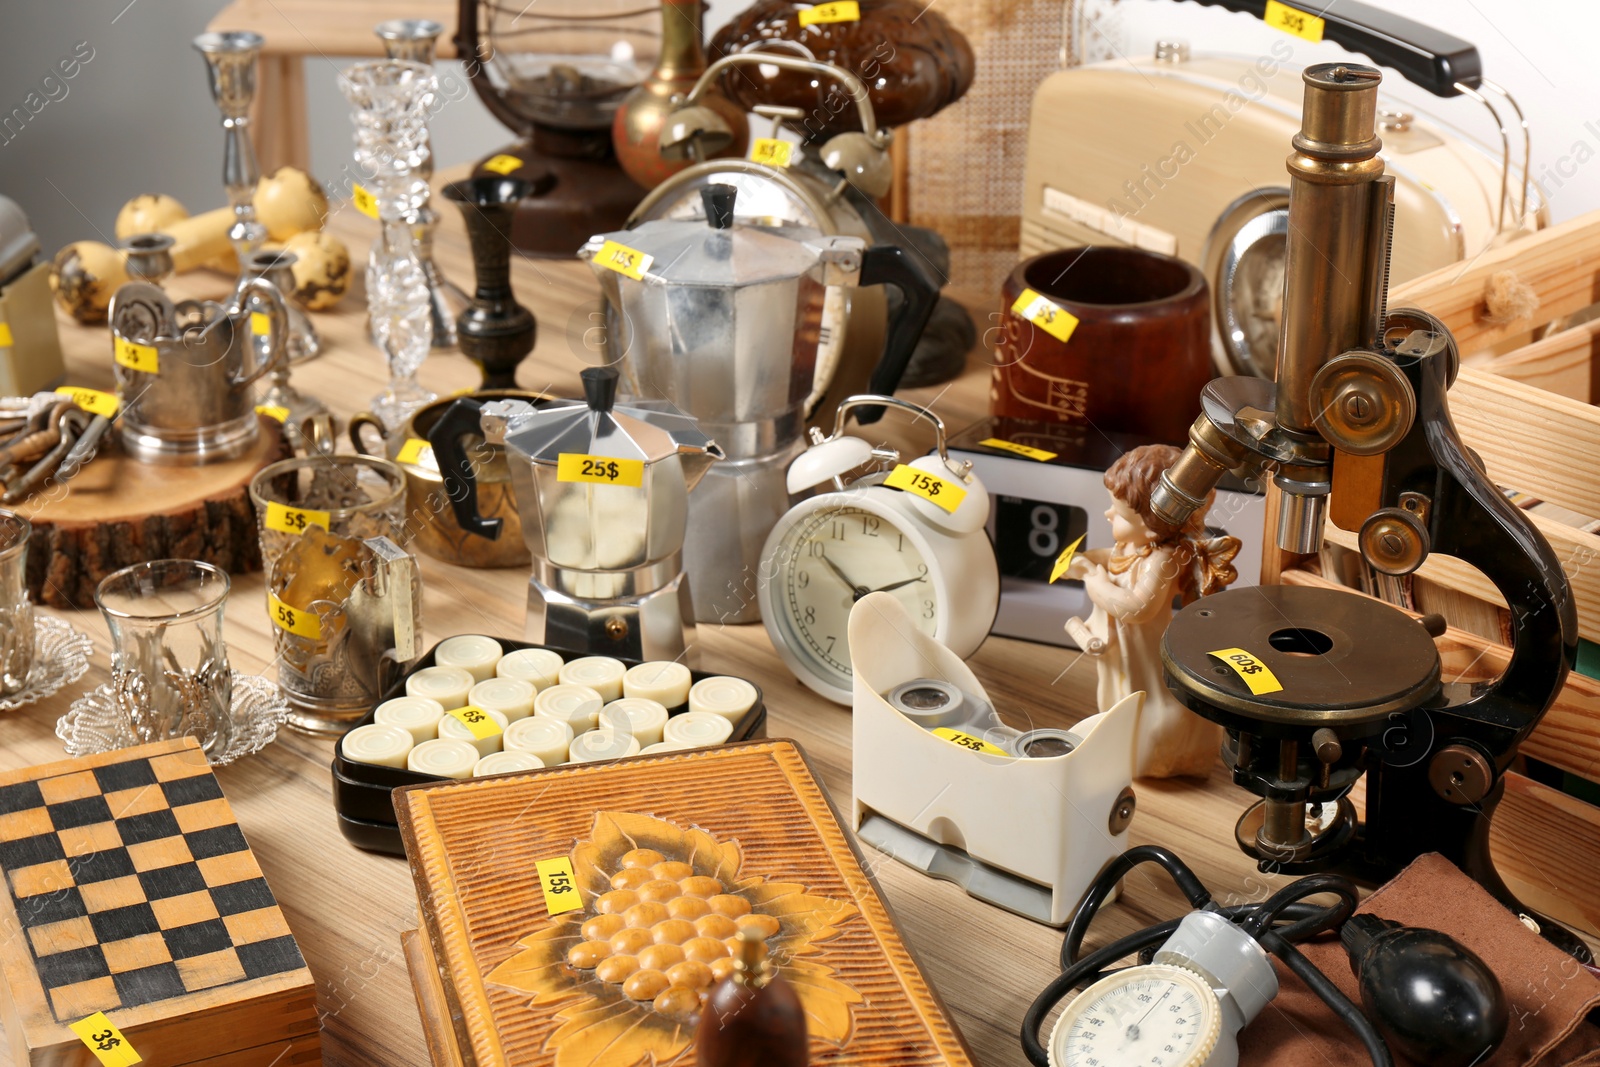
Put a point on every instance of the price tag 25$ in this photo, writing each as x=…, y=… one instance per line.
x=560, y=886
x=1290, y=20
x=294, y=620
x=1045, y=314
x=943, y=494
x=628, y=262
x=135, y=356
x=1255, y=674
x=284, y=519
x=967, y=741
x=838, y=11
x=474, y=718
x=103, y=1039
x=601, y=470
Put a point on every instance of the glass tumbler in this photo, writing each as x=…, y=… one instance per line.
x=16, y=611
x=169, y=667
x=315, y=515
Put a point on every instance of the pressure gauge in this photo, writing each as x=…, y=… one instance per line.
x=1153, y=1016
x=1184, y=1009
x=916, y=533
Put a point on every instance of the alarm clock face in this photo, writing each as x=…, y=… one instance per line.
x=826, y=561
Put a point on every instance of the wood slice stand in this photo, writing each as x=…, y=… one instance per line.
x=118, y=512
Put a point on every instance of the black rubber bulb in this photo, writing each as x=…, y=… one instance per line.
x=1433, y=1000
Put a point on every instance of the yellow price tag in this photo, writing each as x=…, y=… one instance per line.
x=103, y=1038
x=92, y=400
x=624, y=260
x=273, y=411
x=135, y=356
x=1022, y=450
x=289, y=520
x=294, y=620
x=1064, y=560
x=1291, y=20
x=260, y=323
x=967, y=741
x=1040, y=311
x=838, y=11
x=1255, y=674
x=474, y=718
x=418, y=453
x=560, y=886
x=502, y=164
x=364, y=201
x=6, y=340
x=930, y=487
x=771, y=151
x=602, y=470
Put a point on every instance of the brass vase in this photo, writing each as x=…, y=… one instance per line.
x=636, y=130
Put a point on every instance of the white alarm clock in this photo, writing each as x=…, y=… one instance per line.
x=916, y=531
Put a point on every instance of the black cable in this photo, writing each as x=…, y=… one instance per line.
x=1263, y=916
x=1115, y=871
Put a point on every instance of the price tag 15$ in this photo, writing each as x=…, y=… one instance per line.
x=364, y=201
x=930, y=487
x=1045, y=314
x=294, y=620
x=502, y=164
x=103, y=1038
x=838, y=11
x=967, y=741
x=1026, y=451
x=92, y=400
x=1251, y=670
x=771, y=151
x=1301, y=24
x=602, y=470
x=135, y=356
x=560, y=886
x=284, y=519
x=474, y=718
x=628, y=262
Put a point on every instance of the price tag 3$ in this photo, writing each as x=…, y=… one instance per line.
x=1045, y=314
x=967, y=741
x=628, y=262
x=601, y=470
x=838, y=11
x=560, y=886
x=103, y=1039
x=1250, y=670
x=289, y=520
x=135, y=356
x=294, y=620
x=943, y=494
x=474, y=718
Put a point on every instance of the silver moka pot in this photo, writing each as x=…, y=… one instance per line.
x=741, y=326
x=603, y=494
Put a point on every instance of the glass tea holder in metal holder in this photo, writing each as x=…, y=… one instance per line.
x=389, y=102
x=169, y=666
x=186, y=371
x=603, y=493
x=16, y=610
x=344, y=598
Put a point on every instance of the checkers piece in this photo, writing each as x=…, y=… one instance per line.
x=130, y=890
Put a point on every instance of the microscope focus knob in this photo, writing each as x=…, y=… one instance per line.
x=1362, y=403
x=1394, y=541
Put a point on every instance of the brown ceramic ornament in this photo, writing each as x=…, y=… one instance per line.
x=753, y=1017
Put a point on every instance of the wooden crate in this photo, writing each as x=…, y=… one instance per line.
x=130, y=890
x=1523, y=403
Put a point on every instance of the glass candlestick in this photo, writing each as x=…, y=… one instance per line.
x=389, y=106
x=414, y=41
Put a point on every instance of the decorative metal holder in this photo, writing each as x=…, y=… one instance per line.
x=414, y=41
x=390, y=101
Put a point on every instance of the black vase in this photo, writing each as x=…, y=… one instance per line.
x=495, y=332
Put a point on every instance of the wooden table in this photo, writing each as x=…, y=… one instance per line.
x=348, y=908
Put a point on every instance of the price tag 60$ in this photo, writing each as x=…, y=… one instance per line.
x=601, y=470
x=1250, y=670
x=935, y=490
x=560, y=886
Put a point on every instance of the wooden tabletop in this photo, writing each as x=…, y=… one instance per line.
x=348, y=908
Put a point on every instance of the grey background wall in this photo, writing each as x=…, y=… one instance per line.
x=135, y=116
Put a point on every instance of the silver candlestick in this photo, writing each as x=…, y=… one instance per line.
x=414, y=41
x=297, y=407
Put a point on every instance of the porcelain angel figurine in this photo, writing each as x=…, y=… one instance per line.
x=1133, y=585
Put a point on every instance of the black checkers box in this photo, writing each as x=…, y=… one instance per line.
x=130, y=890
x=1046, y=483
x=361, y=791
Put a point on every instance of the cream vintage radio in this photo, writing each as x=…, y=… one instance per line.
x=1184, y=154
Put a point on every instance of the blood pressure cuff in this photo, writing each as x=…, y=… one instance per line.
x=1549, y=992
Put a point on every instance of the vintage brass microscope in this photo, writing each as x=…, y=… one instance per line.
x=1317, y=687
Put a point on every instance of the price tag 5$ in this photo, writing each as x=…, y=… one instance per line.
x=838, y=11
x=474, y=718
x=289, y=520
x=294, y=620
x=1045, y=314
x=135, y=356
x=1255, y=674
x=103, y=1039
x=560, y=886
x=601, y=470
x=935, y=490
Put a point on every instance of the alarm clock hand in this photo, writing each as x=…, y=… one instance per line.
x=857, y=591
x=896, y=585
